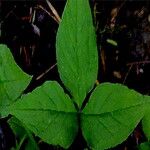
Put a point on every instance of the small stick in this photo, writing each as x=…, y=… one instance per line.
x=139, y=62
x=53, y=11
x=33, y=16
x=50, y=14
x=127, y=74
x=40, y=76
x=8, y=14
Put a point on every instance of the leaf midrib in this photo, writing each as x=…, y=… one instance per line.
x=45, y=110
x=113, y=111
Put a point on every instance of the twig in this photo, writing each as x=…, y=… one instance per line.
x=33, y=16
x=127, y=74
x=50, y=14
x=53, y=11
x=8, y=14
x=139, y=62
x=121, y=5
x=131, y=65
x=45, y=72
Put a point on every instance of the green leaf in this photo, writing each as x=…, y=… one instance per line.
x=49, y=113
x=13, y=81
x=110, y=116
x=112, y=42
x=17, y=128
x=144, y=146
x=22, y=133
x=146, y=118
x=77, y=56
x=29, y=146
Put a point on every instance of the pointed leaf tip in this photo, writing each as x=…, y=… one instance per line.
x=13, y=81
x=77, y=50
